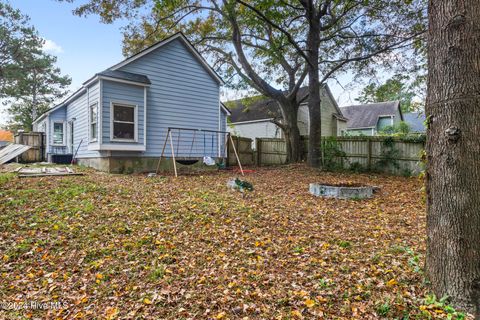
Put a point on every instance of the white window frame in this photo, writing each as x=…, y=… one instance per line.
x=64, y=142
x=135, y=120
x=91, y=139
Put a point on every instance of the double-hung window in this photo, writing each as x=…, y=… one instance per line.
x=93, y=122
x=123, y=122
x=58, y=133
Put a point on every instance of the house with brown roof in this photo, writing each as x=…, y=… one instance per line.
x=369, y=119
x=6, y=137
x=254, y=117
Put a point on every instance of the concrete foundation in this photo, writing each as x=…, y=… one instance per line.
x=342, y=192
x=129, y=165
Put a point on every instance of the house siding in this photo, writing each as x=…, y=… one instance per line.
x=266, y=129
x=223, y=127
x=79, y=109
x=121, y=93
x=41, y=126
x=58, y=115
x=384, y=122
x=260, y=129
x=182, y=94
x=360, y=132
x=341, y=127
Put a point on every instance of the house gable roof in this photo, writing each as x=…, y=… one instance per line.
x=113, y=74
x=180, y=36
x=261, y=108
x=366, y=115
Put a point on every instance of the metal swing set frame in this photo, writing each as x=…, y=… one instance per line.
x=192, y=161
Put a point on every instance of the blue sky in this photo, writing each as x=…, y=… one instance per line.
x=84, y=45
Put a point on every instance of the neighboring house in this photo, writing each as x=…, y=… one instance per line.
x=254, y=120
x=120, y=116
x=416, y=121
x=369, y=119
x=6, y=137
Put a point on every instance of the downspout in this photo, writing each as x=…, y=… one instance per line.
x=47, y=138
x=100, y=114
x=219, y=124
x=145, y=117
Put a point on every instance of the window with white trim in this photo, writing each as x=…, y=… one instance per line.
x=58, y=133
x=93, y=122
x=123, y=122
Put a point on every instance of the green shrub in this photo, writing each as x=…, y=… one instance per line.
x=332, y=154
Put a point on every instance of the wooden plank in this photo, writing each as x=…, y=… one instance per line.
x=49, y=174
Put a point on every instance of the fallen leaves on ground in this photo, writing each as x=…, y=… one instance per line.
x=128, y=246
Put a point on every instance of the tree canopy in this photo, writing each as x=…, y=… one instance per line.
x=275, y=47
x=29, y=79
x=395, y=88
x=18, y=40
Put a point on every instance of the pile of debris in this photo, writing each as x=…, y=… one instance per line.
x=25, y=172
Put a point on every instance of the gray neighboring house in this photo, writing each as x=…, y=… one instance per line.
x=369, y=119
x=255, y=120
x=416, y=121
x=118, y=119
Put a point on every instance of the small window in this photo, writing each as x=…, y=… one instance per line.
x=123, y=122
x=93, y=121
x=58, y=133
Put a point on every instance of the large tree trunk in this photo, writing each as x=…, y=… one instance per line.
x=453, y=151
x=314, y=140
x=293, y=141
x=313, y=43
x=289, y=126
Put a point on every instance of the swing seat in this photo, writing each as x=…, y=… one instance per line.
x=186, y=162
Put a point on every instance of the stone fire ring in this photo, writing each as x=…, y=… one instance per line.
x=342, y=191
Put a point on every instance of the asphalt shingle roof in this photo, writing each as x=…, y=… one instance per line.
x=258, y=108
x=117, y=74
x=366, y=115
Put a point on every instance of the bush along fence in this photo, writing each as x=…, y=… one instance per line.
x=395, y=155
x=389, y=154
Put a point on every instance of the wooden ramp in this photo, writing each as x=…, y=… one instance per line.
x=11, y=151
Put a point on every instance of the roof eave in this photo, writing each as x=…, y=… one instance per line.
x=60, y=105
x=224, y=108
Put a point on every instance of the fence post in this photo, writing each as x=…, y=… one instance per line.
x=258, y=144
x=369, y=155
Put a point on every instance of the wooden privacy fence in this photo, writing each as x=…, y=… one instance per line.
x=270, y=151
x=388, y=154
x=37, y=142
x=244, y=149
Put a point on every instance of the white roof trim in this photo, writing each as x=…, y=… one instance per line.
x=225, y=109
x=253, y=121
x=359, y=128
x=164, y=42
x=100, y=77
x=62, y=104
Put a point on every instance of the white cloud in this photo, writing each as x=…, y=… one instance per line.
x=51, y=47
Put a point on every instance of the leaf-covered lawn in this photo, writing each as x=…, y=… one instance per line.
x=132, y=247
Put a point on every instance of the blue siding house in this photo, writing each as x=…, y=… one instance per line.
x=118, y=119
